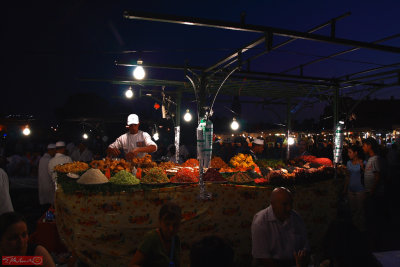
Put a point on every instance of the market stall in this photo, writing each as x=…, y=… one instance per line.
x=104, y=227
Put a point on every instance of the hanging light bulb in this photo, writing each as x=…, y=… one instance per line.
x=26, y=131
x=85, y=136
x=129, y=92
x=234, y=125
x=138, y=72
x=188, y=116
x=156, y=136
x=290, y=141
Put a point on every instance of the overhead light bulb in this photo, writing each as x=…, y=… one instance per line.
x=234, y=125
x=156, y=136
x=26, y=131
x=290, y=141
x=85, y=136
x=129, y=93
x=138, y=72
x=188, y=116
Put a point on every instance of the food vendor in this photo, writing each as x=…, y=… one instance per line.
x=134, y=143
x=257, y=149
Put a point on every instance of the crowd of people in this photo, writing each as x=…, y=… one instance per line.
x=279, y=236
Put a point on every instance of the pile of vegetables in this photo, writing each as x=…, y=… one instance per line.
x=74, y=167
x=191, y=163
x=217, y=162
x=212, y=175
x=186, y=175
x=240, y=178
x=124, y=178
x=243, y=162
x=111, y=164
x=155, y=176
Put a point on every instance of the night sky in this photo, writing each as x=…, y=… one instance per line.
x=48, y=47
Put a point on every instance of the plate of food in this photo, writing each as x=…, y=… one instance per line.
x=73, y=175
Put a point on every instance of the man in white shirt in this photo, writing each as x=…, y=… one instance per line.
x=134, y=143
x=279, y=236
x=82, y=153
x=5, y=200
x=45, y=181
x=59, y=158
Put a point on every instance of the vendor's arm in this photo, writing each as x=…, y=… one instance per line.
x=137, y=150
x=47, y=259
x=113, y=150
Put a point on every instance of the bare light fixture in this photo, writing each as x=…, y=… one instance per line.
x=26, y=131
x=234, y=124
x=138, y=72
x=187, y=116
x=129, y=92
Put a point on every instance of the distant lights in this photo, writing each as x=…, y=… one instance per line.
x=290, y=141
x=85, y=136
x=129, y=92
x=156, y=136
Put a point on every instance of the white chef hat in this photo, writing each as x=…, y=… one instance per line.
x=258, y=142
x=51, y=146
x=60, y=144
x=132, y=119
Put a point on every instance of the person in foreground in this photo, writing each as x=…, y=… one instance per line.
x=161, y=247
x=14, y=239
x=134, y=143
x=354, y=187
x=279, y=236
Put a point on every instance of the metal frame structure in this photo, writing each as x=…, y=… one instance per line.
x=229, y=71
x=278, y=85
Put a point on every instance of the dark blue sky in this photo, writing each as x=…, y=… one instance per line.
x=47, y=47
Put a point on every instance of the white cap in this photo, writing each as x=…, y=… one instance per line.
x=258, y=142
x=132, y=119
x=60, y=144
x=51, y=146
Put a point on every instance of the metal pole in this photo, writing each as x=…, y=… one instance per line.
x=201, y=104
x=256, y=28
x=289, y=126
x=178, y=125
x=339, y=53
x=292, y=39
x=335, y=107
